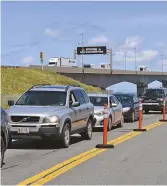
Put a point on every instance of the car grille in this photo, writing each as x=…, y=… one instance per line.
x=150, y=101
x=25, y=119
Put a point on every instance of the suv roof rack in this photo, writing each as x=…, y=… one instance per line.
x=38, y=85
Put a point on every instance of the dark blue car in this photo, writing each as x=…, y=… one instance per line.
x=130, y=104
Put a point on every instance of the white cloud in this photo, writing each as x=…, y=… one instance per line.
x=132, y=42
x=27, y=60
x=160, y=44
x=144, y=56
x=98, y=39
x=51, y=32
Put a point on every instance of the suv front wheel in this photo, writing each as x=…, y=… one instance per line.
x=2, y=150
x=66, y=135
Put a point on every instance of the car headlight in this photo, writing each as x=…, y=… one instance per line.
x=52, y=119
x=126, y=109
x=159, y=99
x=99, y=113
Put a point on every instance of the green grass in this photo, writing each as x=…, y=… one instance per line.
x=14, y=81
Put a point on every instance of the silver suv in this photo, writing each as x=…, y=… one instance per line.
x=51, y=111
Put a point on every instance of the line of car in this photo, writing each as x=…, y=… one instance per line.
x=56, y=112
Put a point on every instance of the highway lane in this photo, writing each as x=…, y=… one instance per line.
x=27, y=158
x=141, y=160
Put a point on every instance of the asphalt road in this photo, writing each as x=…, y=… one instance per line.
x=140, y=160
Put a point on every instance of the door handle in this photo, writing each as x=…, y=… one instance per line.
x=80, y=110
x=87, y=108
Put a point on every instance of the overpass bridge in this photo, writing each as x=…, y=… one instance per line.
x=104, y=78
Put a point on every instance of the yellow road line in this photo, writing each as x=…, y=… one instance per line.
x=63, y=167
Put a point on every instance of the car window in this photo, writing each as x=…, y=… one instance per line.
x=98, y=100
x=116, y=101
x=136, y=99
x=72, y=98
x=86, y=98
x=112, y=100
x=153, y=93
x=79, y=97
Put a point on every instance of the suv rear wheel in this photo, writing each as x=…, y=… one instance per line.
x=66, y=135
x=87, y=135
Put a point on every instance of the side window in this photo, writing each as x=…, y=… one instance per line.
x=72, y=98
x=112, y=100
x=79, y=97
x=86, y=98
x=116, y=101
x=136, y=98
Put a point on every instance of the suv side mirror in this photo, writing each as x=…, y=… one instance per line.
x=75, y=104
x=10, y=102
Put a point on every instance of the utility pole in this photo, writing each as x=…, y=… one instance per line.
x=82, y=48
x=162, y=63
x=151, y=65
x=125, y=60
x=135, y=60
x=78, y=55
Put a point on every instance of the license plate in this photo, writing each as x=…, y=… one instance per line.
x=23, y=130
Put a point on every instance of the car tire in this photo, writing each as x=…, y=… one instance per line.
x=146, y=111
x=87, y=135
x=2, y=150
x=109, y=127
x=66, y=136
x=132, y=117
x=121, y=122
x=10, y=142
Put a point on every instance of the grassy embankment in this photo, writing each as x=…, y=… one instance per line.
x=14, y=81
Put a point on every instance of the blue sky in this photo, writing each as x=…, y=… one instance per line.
x=55, y=27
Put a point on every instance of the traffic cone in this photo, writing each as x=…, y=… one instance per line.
x=105, y=125
x=140, y=117
x=164, y=111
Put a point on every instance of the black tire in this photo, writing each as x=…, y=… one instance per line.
x=87, y=135
x=146, y=111
x=66, y=136
x=2, y=150
x=109, y=127
x=121, y=122
x=132, y=119
x=9, y=142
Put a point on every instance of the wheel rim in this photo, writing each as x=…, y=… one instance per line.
x=133, y=116
x=89, y=129
x=122, y=120
x=109, y=124
x=67, y=135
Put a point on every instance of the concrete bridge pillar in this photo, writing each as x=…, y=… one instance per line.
x=140, y=88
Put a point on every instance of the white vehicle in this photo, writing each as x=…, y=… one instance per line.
x=62, y=62
x=105, y=65
x=143, y=68
x=115, y=111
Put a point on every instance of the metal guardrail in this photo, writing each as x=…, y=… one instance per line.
x=8, y=66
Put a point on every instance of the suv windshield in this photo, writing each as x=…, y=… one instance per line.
x=124, y=99
x=43, y=98
x=98, y=101
x=153, y=93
